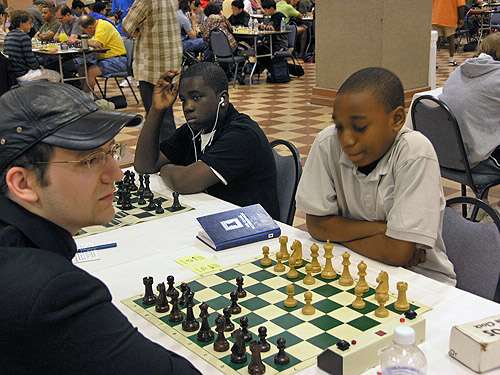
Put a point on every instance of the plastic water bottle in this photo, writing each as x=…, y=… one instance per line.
x=283, y=25
x=403, y=357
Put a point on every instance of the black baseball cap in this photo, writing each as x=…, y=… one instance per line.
x=56, y=114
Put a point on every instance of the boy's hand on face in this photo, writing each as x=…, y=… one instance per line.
x=165, y=91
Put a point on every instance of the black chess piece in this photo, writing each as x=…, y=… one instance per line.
x=205, y=334
x=247, y=335
x=262, y=335
x=141, y=183
x=147, y=191
x=281, y=358
x=162, y=305
x=234, y=308
x=149, y=297
x=256, y=367
x=126, y=204
x=133, y=186
x=190, y=324
x=152, y=204
x=221, y=344
x=119, y=192
x=240, y=292
x=184, y=290
x=176, y=314
x=159, y=209
x=176, y=206
x=171, y=287
x=229, y=325
x=239, y=350
x=141, y=201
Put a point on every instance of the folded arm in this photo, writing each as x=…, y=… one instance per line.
x=364, y=237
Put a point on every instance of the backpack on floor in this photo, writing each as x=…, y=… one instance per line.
x=278, y=71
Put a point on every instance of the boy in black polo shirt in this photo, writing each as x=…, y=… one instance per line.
x=239, y=16
x=219, y=150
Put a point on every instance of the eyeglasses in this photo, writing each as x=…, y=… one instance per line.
x=97, y=160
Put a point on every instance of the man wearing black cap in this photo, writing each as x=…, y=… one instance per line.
x=57, y=173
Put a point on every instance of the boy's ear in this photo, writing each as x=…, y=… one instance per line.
x=22, y=185
x=398, y=118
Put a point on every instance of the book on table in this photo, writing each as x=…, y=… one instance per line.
x=237, y=227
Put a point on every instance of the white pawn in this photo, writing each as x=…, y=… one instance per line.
x=316, y=267
x=308, y=309
x=309, y=279
x=266, y=261
x=290, y=301
x=292, y=273
x=279, y=267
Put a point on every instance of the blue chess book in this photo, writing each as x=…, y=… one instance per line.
x=237, y=227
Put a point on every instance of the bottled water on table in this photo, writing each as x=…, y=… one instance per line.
x=403, y=357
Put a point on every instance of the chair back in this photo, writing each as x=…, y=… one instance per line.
x=434, y=119
x=474, y=250
x=220, y=43
x=129, y=46
x=495, y=19
x=289, y=170
x=292, y=36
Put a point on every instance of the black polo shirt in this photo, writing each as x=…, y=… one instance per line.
x=56, y=318
x=241, y=19
x=240, y=153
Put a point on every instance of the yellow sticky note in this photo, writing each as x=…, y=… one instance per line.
x=191, y=259
x=206, y=268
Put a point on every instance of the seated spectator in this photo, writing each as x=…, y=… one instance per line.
x=78, y=8
x=120, y=8
x=69, y=24
x=216, y=20
x=2, y=27
x=114, y=18
x=280, y=42
x=198, y=10
x=17, y=46
x=36, y=12
x=239, y=17
x=287, y=8
x=189, y=30
x=472, y=91
x=50, y=26
x=373, y=185
x=98, y=10
x=104, y=35
x=219, y=150
x=8, y=11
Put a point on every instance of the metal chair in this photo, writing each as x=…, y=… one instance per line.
x=290, y=52
x=223, y=53
x=289, y=170
x=434, y=119
x=129, y=46
x=474, y=250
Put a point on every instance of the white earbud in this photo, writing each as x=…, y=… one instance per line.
x=221, y=101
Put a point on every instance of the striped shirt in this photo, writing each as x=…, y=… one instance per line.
x=158, y=46
x=17, y=47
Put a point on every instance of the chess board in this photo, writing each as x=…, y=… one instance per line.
x=138, y=214
x=307, y=336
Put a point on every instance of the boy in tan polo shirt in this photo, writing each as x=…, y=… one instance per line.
x=374, y=186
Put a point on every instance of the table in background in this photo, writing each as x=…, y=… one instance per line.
x=149, y=249
x=70, y=52
x=255, y=38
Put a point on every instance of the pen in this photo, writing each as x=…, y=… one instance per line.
x=97, y=247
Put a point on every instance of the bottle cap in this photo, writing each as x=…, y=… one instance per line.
x=404, y=335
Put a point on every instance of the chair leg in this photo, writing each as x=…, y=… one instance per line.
x=132, y=89
x=464, y=193
x=235, y=75
x=105, y=87
x=99, y=86
x=118, y=84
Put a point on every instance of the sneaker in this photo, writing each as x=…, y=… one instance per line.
x=124, y=83
x=452, y=63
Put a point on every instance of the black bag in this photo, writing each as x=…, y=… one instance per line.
x=296, y=70
x=469, y=47
x=7, y=77
x=278, y=71
x=119, y=101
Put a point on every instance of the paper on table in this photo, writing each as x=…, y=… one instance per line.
x=86, y=256
x=206, y=268
x=191, y=259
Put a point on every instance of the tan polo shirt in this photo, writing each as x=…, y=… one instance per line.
x=404, y=189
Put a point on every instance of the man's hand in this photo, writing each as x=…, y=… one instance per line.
x=460, y=23
x=419, y=256
x=165, y=91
